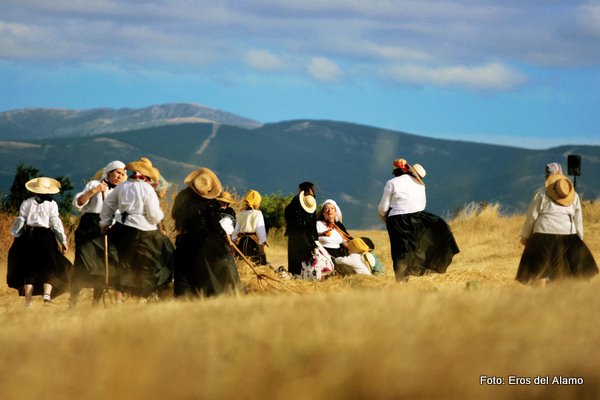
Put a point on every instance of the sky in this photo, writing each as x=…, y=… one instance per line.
x=511, y=72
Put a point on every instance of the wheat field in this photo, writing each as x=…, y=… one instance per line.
x=472, y=333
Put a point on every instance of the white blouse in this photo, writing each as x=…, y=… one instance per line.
x=94, y=204
x=333, y=241
x=250, y=221
x=44, y=215
x=139, y=200
x=546, y=216
x=402, y=195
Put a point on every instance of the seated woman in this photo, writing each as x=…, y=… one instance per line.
x=332, y=233
x=250, y=233
x=358, y=261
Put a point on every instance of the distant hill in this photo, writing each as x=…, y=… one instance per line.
x=349, y=163
x=42, y=123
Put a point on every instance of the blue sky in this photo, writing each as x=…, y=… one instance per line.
x=523, y=73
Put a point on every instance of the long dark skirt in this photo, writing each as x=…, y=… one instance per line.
x=204, y=265
x=300, y=248
x=145, y=260
x=90, y=263
x=420, y=242
x=250, y=248
x=34, y=259
x=555, y=257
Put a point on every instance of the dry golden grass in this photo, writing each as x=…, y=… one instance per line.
x=354, y=337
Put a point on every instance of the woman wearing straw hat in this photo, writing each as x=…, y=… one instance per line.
x=553, y=233
x=203, y=262
x=36, y=266
x=420, y=241
x=250, y=234
x=92, y=252
x=144, y=267
x=301, y=227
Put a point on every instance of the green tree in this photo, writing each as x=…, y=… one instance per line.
x=272, y=207
x=18, y=192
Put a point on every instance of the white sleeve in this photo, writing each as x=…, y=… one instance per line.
x=578, y=217
x=20, y=221
x=90, y=185
x=261, y=231
x=384, y=203
x=56, y=224
x=533, y=213
x=109, y=207
x=152, y=205
x=236, y=230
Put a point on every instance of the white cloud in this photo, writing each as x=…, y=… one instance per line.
x=492, y=76
x=323, y=69
x=263, y=60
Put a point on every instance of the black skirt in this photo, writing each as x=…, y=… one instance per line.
x=145, y=260
x=420, y=242
x=34, y=259
x=555, y=257
x=90, y=262
x=204, y=265
x=250, y=248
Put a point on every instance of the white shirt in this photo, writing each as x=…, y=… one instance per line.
x=546, y=216
x=94, y=204
x=403, y=195
x=333, y=241
x=44, y=215
x=250, y=221
x=137, y=199
x=356, y=262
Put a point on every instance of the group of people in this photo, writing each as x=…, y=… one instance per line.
x=120, y=242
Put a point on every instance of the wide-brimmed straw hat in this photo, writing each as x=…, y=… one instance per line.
x=253, y=199
x=225, y=197
x=560, y=189
x=204, y=182
x=357, y=245
x=420, y=170
x=144, y=167
x=43, y=185
x=308, y=202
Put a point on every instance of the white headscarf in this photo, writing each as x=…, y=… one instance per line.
x=338, y=212
x=553, y=168
x=110, y=167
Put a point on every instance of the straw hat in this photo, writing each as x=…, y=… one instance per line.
x=253, y=199
x=560, y=189
x=43, y=185
x=308, y=202
x=357, y=245
x=420, y=170
x=204, y=182
x=225, y=197
x=144, y=167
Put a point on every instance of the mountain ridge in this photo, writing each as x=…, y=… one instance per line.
x=348, y=162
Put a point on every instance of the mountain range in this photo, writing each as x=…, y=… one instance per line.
x=348, y=162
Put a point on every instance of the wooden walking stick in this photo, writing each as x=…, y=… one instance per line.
x=105, y=289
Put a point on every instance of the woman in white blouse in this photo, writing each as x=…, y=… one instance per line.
x=250, y=233
x=90, y=246
x=332, y=232
x=419, y=241
x=35, y=264
x=553, y=233
x=144, y=265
